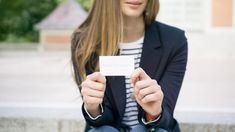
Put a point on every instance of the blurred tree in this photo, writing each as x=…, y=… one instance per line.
x=19, y=16
x=85, y=3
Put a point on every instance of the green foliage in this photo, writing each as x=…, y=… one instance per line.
x=18, y=17
x=86, y=4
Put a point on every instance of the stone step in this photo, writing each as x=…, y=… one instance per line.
x=71, y=125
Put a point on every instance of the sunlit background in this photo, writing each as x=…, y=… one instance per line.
x=37, y=90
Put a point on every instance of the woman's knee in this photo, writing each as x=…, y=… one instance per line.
x=104, y=129
x=140, y=128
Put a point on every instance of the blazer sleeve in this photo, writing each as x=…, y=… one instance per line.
x=170, y=83
x=106, y=117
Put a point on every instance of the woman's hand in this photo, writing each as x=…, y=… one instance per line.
x=147, y=92
x=93, y=89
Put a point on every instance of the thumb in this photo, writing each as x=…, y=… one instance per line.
x=138, y=74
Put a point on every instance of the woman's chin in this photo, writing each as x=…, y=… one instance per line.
x=133, y=14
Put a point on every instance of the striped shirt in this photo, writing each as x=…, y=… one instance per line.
x=131, y=111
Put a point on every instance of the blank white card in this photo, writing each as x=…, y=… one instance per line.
x=117, y=65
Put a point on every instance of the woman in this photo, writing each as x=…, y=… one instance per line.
x=145, y=101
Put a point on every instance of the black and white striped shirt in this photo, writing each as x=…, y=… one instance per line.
x=131, y=111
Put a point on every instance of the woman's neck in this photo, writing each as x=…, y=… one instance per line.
x=133, y=29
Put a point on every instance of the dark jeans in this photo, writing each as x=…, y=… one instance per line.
x=138, y=128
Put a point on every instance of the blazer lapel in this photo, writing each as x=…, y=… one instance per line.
x=150, y=58
x=151, y=53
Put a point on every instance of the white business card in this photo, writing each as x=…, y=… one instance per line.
x=117, y=65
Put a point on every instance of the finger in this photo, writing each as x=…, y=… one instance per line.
x=92, y=100
x=144, y=83
x=97, y=76
x=149, y=98
x=93, y=85
x=93, y=93
x=158, y=96
x=134, y=80
x=139, y=73
x=146, y=91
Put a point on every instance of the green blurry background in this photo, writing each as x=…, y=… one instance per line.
x=17, y=18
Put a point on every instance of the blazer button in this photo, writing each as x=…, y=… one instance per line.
x=152, y=130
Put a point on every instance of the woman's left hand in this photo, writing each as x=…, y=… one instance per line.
x=148, y=93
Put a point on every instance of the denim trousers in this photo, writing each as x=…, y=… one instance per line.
x=138, y=128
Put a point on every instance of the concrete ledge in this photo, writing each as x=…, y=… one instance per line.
x=71, y=125
x=188, y=127
x=68, y=118
x=40, y=125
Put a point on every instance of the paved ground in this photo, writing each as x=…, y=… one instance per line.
x=37, y=80
x=40, y=85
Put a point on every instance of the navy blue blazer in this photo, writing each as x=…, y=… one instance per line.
x=164, y=58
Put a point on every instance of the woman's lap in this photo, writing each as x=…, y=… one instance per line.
x=138, y=128
x=104, y=129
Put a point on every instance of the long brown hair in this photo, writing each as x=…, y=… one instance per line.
x=101, y=33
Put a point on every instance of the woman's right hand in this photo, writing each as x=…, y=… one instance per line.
x=93, y=89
